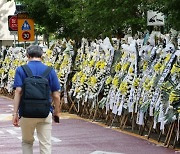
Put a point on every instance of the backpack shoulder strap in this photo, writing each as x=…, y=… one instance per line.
x=27, y=70
x=46, y=72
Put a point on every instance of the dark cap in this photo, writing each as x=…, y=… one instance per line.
x=34, y=51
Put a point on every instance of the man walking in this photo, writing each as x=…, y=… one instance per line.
x=28, y=125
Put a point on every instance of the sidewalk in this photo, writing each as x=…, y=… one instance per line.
x=75, y=135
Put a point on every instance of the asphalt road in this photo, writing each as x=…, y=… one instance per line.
x=75, y=135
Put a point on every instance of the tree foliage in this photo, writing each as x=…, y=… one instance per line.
x=172, y=11
x=94, y=18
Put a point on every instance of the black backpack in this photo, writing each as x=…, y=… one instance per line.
x=35, y=101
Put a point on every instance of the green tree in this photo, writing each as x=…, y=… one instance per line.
x=93, y=18
x=172, y=11
x=86, y=18
x=108, y=17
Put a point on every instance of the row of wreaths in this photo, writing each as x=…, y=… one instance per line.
x=133, y=84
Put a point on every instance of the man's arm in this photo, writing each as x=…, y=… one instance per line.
x=56, y=100
x=17, y=97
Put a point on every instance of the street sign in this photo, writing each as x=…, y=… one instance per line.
x=13, y=32
x=26, y=35
x=12, y=23
x=155, y=18
x=25, y=28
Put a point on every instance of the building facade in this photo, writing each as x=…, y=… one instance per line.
x=6, y=9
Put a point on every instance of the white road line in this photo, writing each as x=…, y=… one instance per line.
x=36, y=139
x=5, y=117
x=55, y=139
x=17, y=128
x=20, y=138
x=11, y=132
x=8, y=111
x=104, y=152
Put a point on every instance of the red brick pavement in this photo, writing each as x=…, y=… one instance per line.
x=75, y=136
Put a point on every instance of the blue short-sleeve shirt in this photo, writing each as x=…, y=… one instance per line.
x=37, y=68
